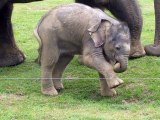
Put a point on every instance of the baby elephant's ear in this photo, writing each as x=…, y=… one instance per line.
x=97, y=33
x=97, y=39
x=94, y=27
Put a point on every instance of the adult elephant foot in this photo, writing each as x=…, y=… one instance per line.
x=10, y=56
x=9, y=53
x=137, y=50
x=152, y=49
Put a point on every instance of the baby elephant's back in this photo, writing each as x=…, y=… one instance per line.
x=75, y=13
x=74, y=16
x=72, y=20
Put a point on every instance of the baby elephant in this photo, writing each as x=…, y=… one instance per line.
x=79, y=29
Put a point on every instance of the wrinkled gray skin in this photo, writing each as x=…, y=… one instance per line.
x=127, y=11
x=78, y=29
x=154, y=49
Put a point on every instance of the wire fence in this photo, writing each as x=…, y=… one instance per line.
x=77, y=78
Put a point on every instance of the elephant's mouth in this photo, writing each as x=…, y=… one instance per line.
x=120, y=65
x=116, y=66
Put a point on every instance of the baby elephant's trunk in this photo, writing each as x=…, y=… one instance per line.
x=121, y=65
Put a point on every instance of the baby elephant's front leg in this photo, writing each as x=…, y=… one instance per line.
x=105, y=90
x=94, y=58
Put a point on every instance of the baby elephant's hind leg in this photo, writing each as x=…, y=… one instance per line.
x=59, y=69
x=49, y=58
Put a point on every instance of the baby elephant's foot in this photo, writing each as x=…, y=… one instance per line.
x=108, y=92
x=58, y=86
x=49, y=91
x=114, y=82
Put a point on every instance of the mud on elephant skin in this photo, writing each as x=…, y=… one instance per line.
x=127, y=11
x=103, y=42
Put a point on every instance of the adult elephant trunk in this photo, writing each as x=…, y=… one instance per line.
x=121, y=65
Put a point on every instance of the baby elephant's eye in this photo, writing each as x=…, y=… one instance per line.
x=118, y=47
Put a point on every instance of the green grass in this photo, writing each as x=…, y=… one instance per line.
x=21, y=99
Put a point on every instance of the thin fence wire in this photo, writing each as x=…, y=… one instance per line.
x=77, y=78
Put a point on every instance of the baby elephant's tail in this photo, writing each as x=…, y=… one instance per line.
x=38, y=59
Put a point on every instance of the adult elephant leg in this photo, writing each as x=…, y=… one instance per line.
x=59, y=69
x=154, y=49
x=3, y=2
x=92, y=3
x=105, y=90
x=9, y=52
x=129, y=12
x=24, y=1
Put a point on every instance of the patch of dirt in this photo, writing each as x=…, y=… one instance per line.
x=130, y=100
x=17, y=96
x=133, y=85
x=147, y=93
x=11, y=99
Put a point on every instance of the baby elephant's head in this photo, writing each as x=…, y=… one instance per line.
x=115, y=40
x=117, y=46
